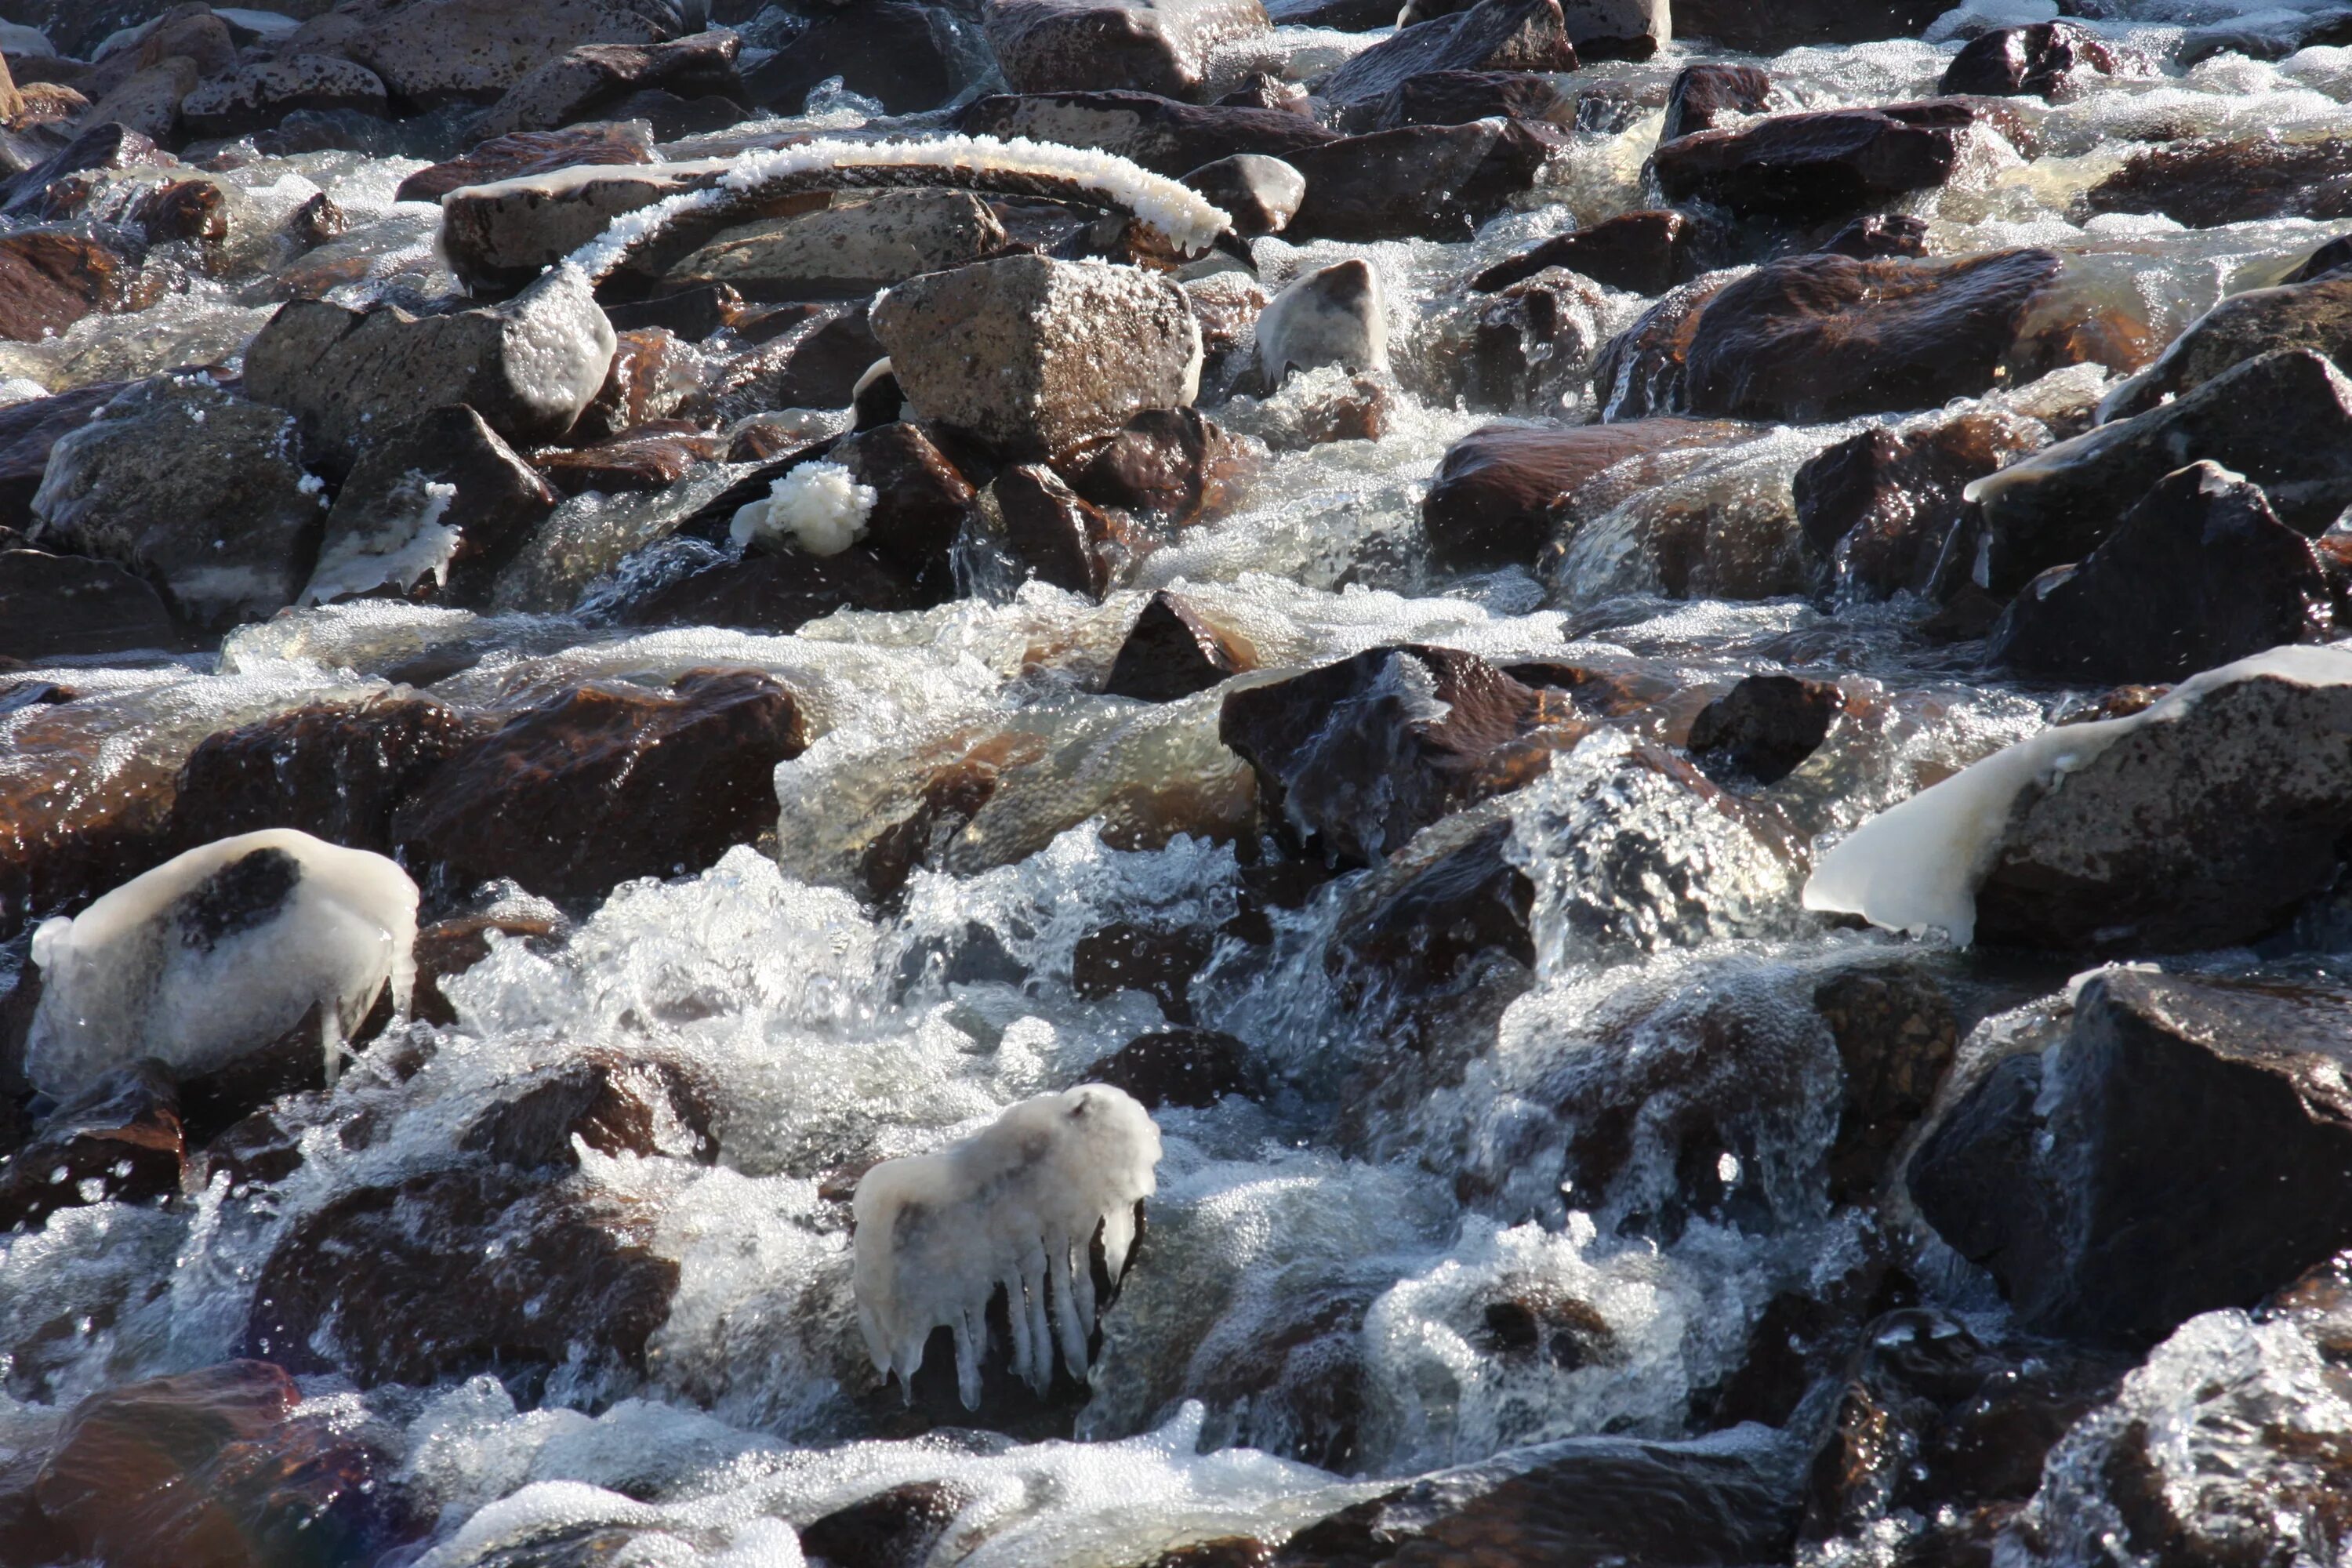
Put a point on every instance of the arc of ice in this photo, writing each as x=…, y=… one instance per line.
x=1017, y=1204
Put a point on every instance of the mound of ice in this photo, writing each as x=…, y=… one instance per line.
x=1016, y=1205
x=820, y=507
x=219, y=951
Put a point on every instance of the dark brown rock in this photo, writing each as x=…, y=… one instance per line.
x=1490, y=36
x=1879, y=505
x=1193, y=1068
x=1764, y=727
x=50, y=279
x=910, y=58
x=447, y=949
x=1491, y=503
x=1155, y=960
x=892, y=1529
x=1877, y=236
x=1814, y=166
x=61, y=605
x=2046, y=59
x=1169, y=464
x=123, y=1139
x=2315, y=315
x=1058, y=536
x=2333, y=257
x=1261, y=194
x=615, y=1105
x=1705, y=94
x=1152, y=45
x=106, y=145
x=1175, y=649
x=1435, y=182
x=778, y=593
x=1896, y=1032
x=597, y=81
x=923, y=503
x=499, y=500
x=814, y=362
x=1796, y=23
x=1164, y=136
x=2210, y=181
x=27, y=431
x=1458, y=97
x=647, y=457
x=522, y=152
x=1646, y=252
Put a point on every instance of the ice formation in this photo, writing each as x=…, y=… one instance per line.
x=1014, y=1205
x=1917, y=867
x=401, y=553
x=1335, y=315
x=216, y=952
x=821, y=507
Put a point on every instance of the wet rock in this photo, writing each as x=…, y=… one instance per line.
x=1164, y=136
x=1764, y=727
x=106, y=145
x=527, y=153
x=1194, y=1068
x=1155, y=960
x=645, y=458
x=256, y=97
x=1491, y=36
x=776, y=594
x=1645, y=252
x=910, y=58
x=2280, y=419
x=1879, y=505
x=1175, y=649
x=1812, y=167
x=1262, y=90
x=447, y=949
x=817, y=363
x=1876, y=235
x=50, y=279
x=1458, y=97
x=432, y=52
x=599, y=785
x=923, y=504
x=1752, y=29
x=56, y=606
x=219, y=1469
x=852, y=247
x=1261, y=194
x=653, y=377
x=1706, y=94
x=335, y=770
x=2132, y=1182
x=458, y=1272
x=1166, y=466
x=1152, y=45
x=1056, y=535
x=615, y=1105
x=2046, y=59
x=1492, y=500
x=897, y=1527
x=1357, y=755
x=592, y=80
x=27, y=432
x=1896, y=1032
x=2208, y=181
x=2315, y=315
x=1525, y=349
x=2333, y=257
x=224, y=524
x=2199, y=574
x=1034, y=356
x=528, y=367
x=1435, y=181
x=118, y=1143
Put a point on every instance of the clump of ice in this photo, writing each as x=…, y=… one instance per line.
x=403, y=554
x=1016, y=1205
x=222, y=949
x=820, y=507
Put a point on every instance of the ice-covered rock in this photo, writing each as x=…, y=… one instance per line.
x=1015, y=1206
x=217, y=951
x=1333, y=315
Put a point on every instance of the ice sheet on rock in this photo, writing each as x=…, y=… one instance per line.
x=218, y=951
x=590, y=534
x=1016, y=1206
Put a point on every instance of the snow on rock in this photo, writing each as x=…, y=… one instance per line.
x=1917, y=865
x=1016, y=1205
x=219, y=951
x=820, y=507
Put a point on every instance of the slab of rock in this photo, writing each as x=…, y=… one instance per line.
x=1709, y=92
x=2130, y=1180
x=597, y=785
x=1261, y=194
x=908, y=57
x=1764, y=727
x=433, y=52
x=192, y=489
x=1458, y=97
x=2315, y=314
x=108, y=145
x=650, y=456
x=52, y=278
x=2046, y=59
x=529, y=152
x=1153, y=45
x=1034, y=356
x=508, y=231
x=1056, y=535
x=1491, y=503
x=1643, y=252
x=591, y=81
x=1435, y=181
x=353, y=378
x=1359, y=755
x=1818, y=166
x=1879, y=506
x=256, y=97
x=2210, y=181
x=850, y=248
x=1491, y=36
x=1174, y=649
x=2200, y=573
x=54, y=606
x=1162, y=135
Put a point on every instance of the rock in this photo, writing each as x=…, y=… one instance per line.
x=508, y=230
x=50, y=279
x=1705, y=94
x=614, y=1105
x=1491, y=501
x=2333, y=257
x=1764, y=727
x=1262, y=90
x=1152, y=45
x=149, y=99
x=895, y=1528
x=257, y=96
x=2132, y=1182
x=1355, y=757
x=220, y=1467
x=1157, y=961
x=1645, y=252
x=2315, y=315
x=1163, y=136
x=1750, y=29
x=1879, y=505
x=2280, y=419
x=108, y=145
x=1261, y=194
x=1433, y=181
x=55, y=606
x=776, y=594
x=2199, y=574
x=591, y=81
x=1335, y=315
x=653, y=377
x=1058, y=537
x=1190, y=1068
x=1877, y=237
x=1897, y=1034
x=648, y=457
x=1458, y=97
x=1525, y=349
x=2206, y=182
x=850, y=248
x=1175, y=649
x=527, y=153
x=433, y=52
x=335, y=770
x=1618, y=29
x=817, y=363
x=528, y=367
x=27, y=432
x=1166, y=466
x=1491, y=36
x=910, y=58
x=445, y=496
x=224, y=527
x=118, y=1143
x=2046, y=59
x=1816, y=166
x=1033, y=356
x=599, y=785
x=923, y=504
x=460, y=1271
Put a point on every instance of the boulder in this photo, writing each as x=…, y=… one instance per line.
x=2205, y=182
x=509, y=230
x=1174, y=649
x=1879, y=506
x=1162, y=135
x=614, y=1105
x=1491, y=501
x=353, y=378
x=432, y=52
x=120, y=1142
x=2046, y=59
x=1764, y=727
x=1058, y=536
x=1618, y=29
x=1458, y=97
x=1358, y=757
x=1525, y=348
x=2333, y=257
x=52, y=278
x=899, y=1525
x=1643, y=252
x=1033, y=356
x=1491, y=36
x=1335, y=315
x=1896, y=1032
x=923, y=504
x=55, y=606
x=1152, y=45
x=1261, y=194
x=650, y=456
x=1819, y=165
x=2315, y=315
x=256, y=97
x=2200, y=573
x=527, y=153
x=1432, y=182
x=775, y=593
x=28, y=430
x=591, y=81
x=2129, y=1178
x=819, y=360
x=148, y=101
x=1706, y=94
x=1166, y=467
x=599, y=785
x=196, y=489
x=906, y=57
x=850, y=248
x=106, y=145
x=1798, y=24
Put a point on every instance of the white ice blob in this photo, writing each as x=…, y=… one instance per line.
x=820, y=507
x=223, y=949
x=1016, y=1205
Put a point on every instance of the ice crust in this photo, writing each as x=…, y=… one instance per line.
x=820, y=507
